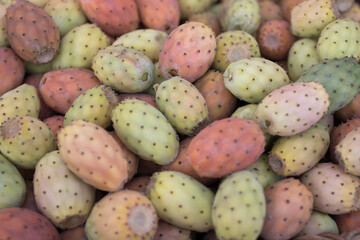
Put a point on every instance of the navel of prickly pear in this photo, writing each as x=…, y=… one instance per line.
x=32, y=32
x=239, y=207
x=226, y=146
x=59, y=194
x=181, y=200
x=125, y=214
x=292, y=108
x=92, y=154
x=188, y=52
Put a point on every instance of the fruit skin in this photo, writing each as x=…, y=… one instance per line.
x=275, y=39
x=113, y=17
x=123, y=69
x=339, y=39
x=79, y=46
x=158, y=78
x=77, y=233
x=12, y=70
x=21, y=101
x=120, y=215
x=335, y=191
x=302, y=55
x=348, y=222
x=183, y=105
x=168, y=231
x=145, y=131
x=22, y=222
x=138, y=184
x=339, y=77
x=140, y=96
x=3, y=36
x=270, y=10
x=181, y=200
x=352, y=13
x=350, y=111
x=277, y=116
x=32, y=68
x=59, y=194
x=92, y=154
x=309, y=17
x=209, y=19
x=55, y=123
x=60, y=88
x=31, y=32
x=238, y=210
x=225, y=146
x=288, y=207
x=287, y=6
x=12, y=185
x=318, y=223
x=188, y=52
x=25, y=140
x=163, y=15
x=233, y=46
x=251, y=79
x=189, y=7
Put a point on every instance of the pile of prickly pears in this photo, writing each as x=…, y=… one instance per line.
x=179, y=119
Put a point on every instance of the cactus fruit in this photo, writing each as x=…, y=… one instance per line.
x=348, y=222
x=350, y=111
x=339, y=39
x=29, y=202
x=318, y=223
x=66, y=14
x=147, y=41
x=209, y=19
x=225, y=146
x=139, y=96
x=138, y=184
x=292, y=108
x=233, y=46
x=77, y=233
x=240, y=15
x=25, y=140
x=275, y=39
x=189, y=7
x=309, y=17
x=270, y=10
x=344, y=5
x=60, y=88
x=340, y=79
x=32, y=33
x=23, y=223
x=335, y=192
x=124, y=214
x=183, y=105
x=158, y=78
x=352, y=13
x=163, y=15
x=59, y=194
x=287, y=6
x=145, y=131
x=55, y=123
x=113, y=17
x=188, y=52
x=328, y=122
x=3, y=36
x=251, y=79
x=123, y=69
x=167, y=231
x=288, y=207
x=302, y=55
x=181, y=200
x=92, y=154
x=12, y=185
x=239, y=207
x=32, y=68
x=79, y=46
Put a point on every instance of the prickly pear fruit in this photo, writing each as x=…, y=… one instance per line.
x=32, y=68
x=77, y=233
x=233, y=46
x=158, y=78
x=339, y=39
x=348, y=222
x=339, y=77
x=288, y=207
x=251, y=79
x=60, y=88
x=123, y=69
x=287, y=6
x=309, y=17
x=238, y=210
x=32, y=33
x=290, y=109
x=113, y=17
x=350, y=111
x=94, y=105
x=318, y=223
x=139, y=96
x=270, y=10
x=138, y=184
x=240, y=15
x=163, y=15
x=79, y=46
x=21, y=222
x=189, y=7
x=55, y=123
x=12, y=185
x=181, y=200
x=92, y=154
x=120, y=215
x=3, y=36
x=21, y=101
x=225, y=146
x=145, y=131
x=209, y=19
x=352, y=13
x=335, y=192
x=168, y=231
x=59, y=194
x=188, y=52
x=12, y=70
x=67, y=14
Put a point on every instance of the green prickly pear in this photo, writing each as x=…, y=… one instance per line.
x=318, y=223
